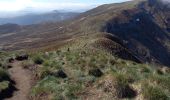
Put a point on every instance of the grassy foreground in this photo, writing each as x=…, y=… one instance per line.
x=5, y=81
x=69, y=74
x=93, y=74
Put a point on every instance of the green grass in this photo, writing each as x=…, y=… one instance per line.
x=153, y=93
x=5, y=80
x=57, y=87
x=77, y=63
x=38, y=59
x=3, y=75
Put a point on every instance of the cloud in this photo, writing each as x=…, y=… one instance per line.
x=17, y=5
x=67, y=5
x=166, y=0
x=14, y=5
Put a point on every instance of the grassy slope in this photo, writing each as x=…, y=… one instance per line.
x=97, y=21
x=95, y=74
x=90, y=73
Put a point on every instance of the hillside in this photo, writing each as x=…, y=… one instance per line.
x=142, y=26
x=113, y=52
x=80, y=73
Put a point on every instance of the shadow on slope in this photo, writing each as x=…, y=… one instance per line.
x=144, y=37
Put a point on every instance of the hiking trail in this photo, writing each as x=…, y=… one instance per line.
x=22, y=78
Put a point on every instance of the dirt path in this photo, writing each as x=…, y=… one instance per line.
x=22, y=78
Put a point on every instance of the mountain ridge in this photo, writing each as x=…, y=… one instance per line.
x=115, y=51
x=147, y=38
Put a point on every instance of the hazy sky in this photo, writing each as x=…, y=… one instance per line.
x=17, y=5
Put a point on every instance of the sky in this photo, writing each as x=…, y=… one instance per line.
x=43, y=5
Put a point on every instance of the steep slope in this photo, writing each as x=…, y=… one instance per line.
x=143, y=25
x=145, y=29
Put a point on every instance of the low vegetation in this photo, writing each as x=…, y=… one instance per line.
x=80, y=74
x=87, y=73
x=153, y=93
x=86, y=62
x=5, y=81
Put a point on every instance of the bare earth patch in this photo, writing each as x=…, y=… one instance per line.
x=22, y=77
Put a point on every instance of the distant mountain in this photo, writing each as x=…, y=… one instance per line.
x=138, y=30
x=115, y=51
x=32, y=18
x=8, y=28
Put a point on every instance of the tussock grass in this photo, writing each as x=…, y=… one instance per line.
x=3, y=75
x=117, y=80
x=153, y=93
x=5, y=81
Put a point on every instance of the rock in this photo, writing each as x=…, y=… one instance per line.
x=96, y=72
x=22, y=57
